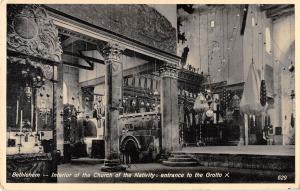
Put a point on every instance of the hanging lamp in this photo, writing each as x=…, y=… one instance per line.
x=236, y=102
x=201, y=104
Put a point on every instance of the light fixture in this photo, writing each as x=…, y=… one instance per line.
x=133, y=103
x=291, y=67
x=209, y=113
x=236, y=102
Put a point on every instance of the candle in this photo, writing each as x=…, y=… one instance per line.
x=31, y=121
x=17, y=116
x=21, y=121
x=36, y=121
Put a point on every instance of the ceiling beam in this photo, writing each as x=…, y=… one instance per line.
x=275, y=17
x=266, y=7
x=68, y=42
x=146, y=68
x=87, y=31
x=280, y=10
x=84, y=57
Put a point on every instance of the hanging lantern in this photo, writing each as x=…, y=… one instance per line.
x=200, y=104
x=236, y=102
x=209, y=113
x=292, y=120
x=292, y=94
x=27, y=92
x=291, y=67
x=263, y=93
x=142, y=103
x=250, y=103
x=133, y=103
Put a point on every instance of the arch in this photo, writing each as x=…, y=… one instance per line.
x=128, y=138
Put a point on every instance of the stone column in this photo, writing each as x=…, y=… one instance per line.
x=169, y=107
x=111, y=53
x=242, y=126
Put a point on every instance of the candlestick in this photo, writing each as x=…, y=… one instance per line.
x=21, y=120
x=31, y=117
x=36, y=121
x=17, y=116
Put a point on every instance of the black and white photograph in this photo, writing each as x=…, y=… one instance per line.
x=150, y=93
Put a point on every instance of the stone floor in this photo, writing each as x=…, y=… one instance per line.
x=140, y=172
x=281, y=150
x=210, y=174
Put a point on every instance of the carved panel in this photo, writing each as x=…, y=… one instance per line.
x=30, y=31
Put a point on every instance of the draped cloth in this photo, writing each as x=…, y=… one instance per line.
x=250, y=102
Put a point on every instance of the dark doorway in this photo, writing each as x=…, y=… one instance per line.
x=131, y=153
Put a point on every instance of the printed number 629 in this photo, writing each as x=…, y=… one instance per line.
x=282, y=177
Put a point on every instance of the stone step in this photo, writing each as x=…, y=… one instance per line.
x=243, y=161
x=180, y=164
x=85, y=160
x=181, y=159
x=233, y=142
x=180, y=156
x=178, y=153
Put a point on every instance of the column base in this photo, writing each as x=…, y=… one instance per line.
x=241, y=142
x=113, y=166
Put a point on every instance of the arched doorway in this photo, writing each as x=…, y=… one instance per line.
x=130, y=150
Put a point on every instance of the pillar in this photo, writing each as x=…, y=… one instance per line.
x=169, y=107
x=242, y=125
x=246, y=129
x=111, y=53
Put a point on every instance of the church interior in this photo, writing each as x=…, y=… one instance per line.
x=134, y=83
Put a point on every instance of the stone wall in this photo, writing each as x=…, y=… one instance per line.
x=138, y=22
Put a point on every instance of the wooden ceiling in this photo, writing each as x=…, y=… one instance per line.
x=276, y=11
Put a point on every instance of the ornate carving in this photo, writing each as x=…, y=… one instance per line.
x=156, y=28
x=47, y=69
x=30, y=31
x=169, y=70
x=111, y=52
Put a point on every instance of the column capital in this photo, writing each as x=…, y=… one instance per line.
x=111, y=50
x=169, y=70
